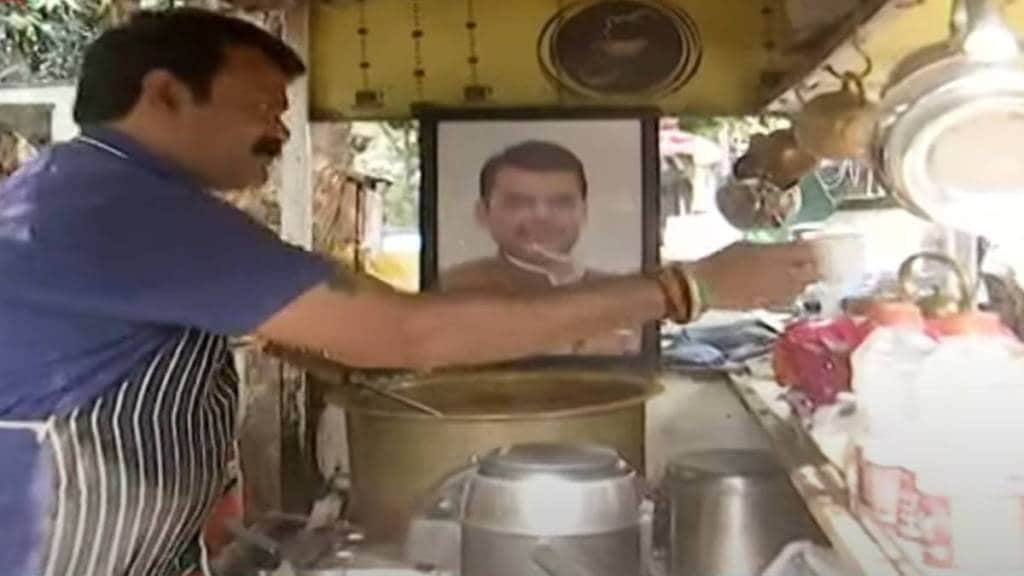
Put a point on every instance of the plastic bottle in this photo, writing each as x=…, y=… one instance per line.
x=885, y=368
x=966, y=454
x=969, y=384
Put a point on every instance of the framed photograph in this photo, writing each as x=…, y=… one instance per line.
x=528, y=200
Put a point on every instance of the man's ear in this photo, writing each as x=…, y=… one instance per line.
x=163, y=91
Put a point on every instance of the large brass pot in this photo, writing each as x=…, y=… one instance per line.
x=398, y=455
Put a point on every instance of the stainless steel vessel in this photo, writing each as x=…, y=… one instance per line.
x=731, y=512
x=947, y=143
x=398, y=455
x=551, y=510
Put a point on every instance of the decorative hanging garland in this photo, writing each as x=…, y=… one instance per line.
x=418, y=72
x=366, y=97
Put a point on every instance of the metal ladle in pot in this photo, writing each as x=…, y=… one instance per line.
x=392, y=395
x=322, y=364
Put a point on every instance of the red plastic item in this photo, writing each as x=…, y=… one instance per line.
x=813, y=356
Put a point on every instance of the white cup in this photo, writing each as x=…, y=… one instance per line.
x=841, y=255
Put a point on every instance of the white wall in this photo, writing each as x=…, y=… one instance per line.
x=61, y=96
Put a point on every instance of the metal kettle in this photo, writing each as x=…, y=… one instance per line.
x=546, y=510
x=730, y=512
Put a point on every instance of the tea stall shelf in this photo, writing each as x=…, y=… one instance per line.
x=863, y=545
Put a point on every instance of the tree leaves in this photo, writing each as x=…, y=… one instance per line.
x=45, y=38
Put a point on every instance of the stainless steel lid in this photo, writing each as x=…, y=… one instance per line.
x=544, y=490
x=938, y=126
x=568, y=461
x=948, y=139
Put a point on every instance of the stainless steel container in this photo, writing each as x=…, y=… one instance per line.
x=730, y=513
x=399, y=455
x=551, y=510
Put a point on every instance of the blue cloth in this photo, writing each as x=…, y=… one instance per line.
x=105, y=250
x=26, y=498
x=725, y=345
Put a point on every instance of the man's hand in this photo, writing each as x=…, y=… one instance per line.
x=384, y=329
x=745, y=276
x=380, y=328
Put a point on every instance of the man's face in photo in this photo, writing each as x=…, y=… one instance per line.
x=527, y=209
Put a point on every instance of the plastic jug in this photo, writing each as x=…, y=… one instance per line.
x=885, y=366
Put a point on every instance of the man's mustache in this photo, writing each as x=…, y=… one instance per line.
x=270, y=147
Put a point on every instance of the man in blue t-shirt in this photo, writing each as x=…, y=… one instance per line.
x=123, y=275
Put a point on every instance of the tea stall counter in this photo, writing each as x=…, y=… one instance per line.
x=860, y=542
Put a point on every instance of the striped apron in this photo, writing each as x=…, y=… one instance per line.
x=133, y=474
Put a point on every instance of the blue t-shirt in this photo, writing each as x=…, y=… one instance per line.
x=106, y=251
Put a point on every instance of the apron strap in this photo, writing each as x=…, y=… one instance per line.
x=38, y=427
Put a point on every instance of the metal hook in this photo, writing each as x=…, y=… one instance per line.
x=869, y=64
x=835, y=73
x=849, y=77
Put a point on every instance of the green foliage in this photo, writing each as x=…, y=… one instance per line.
x=390, y=150
x=741, y=127
x=42, y=41
x=706, y=126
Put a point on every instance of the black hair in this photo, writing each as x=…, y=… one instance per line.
x=533, y=155
x=188, y=42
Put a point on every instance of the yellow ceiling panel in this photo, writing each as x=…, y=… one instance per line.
x=732, y=33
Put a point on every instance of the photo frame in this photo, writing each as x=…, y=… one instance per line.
x=498, y=188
